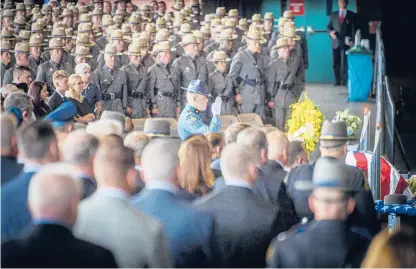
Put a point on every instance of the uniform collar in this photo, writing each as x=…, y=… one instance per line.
x=112, y=192
x=31, y=168
x=238, y=183
x=162, y=185
x=192, y=109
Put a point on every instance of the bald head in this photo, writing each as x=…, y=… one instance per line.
x=239, y=162
x=162, y=150
x=278, y=146
x=256, y=140
x=232, y=131
x=137, y=141
x=54, y=194
x=80, y=147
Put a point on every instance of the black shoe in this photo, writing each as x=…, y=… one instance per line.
x=337, y=84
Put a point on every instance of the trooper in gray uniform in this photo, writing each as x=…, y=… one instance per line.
x=162, y=86
x=112, y=82
x=146, y=59
x=219, y=82
x=21, y=52
x=248, y=73
x=189, y=66
x=226, y=39
x=46, y=70
x=136, y=83
x=280, y=82
x=35, y=44
x=107, y=21
x=118, y=41
x=5, y=57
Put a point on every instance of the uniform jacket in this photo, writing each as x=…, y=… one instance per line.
x=8, y=75
x=120, y=61
x=135, y=239
x=101, y=42
x=51, y=245
x=159, y=78
x=55, y=100
x=211, y=47
x=244, y=237
x=10, y=168
x=33, y=64
x=3, y=69
x=211, y=65
x=136, y=83
x=302, y=43
x=190, y=232
x=364, y=215
x=46, y=70
x=347, y=28
x=244, y=66
x=186, y=69
x=15, y=215
x=190, y=123
x=89, y=186
x=324, y=244
x=147, y=61
x=221, y=85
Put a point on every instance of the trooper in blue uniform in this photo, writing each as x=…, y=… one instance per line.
x=190, y=122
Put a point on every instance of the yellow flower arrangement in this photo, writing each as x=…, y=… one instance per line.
x=305, y=123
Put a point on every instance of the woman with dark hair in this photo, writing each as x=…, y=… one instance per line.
x=39, y=94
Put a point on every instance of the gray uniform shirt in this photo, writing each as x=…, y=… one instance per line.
x=46, y=70
x=159, y=79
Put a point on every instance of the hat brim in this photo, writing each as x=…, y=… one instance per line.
x=309, y=185
x=54, y=48
x=192, y=91
x=218, y=60
x=261, y=40
x=21, y=52
x=132, y=54
x=296, y=37
x=82, y=55
x=233, y=37
x=333, y=143
x=38, y=45
x=281, y=46
x=183, y=44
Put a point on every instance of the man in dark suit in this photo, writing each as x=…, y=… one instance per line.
x=327, y=241
x=189, y=231
x=341, y=27
x=10, y=168
x=38, y=146
x=60, y=80
x=245, y=223
x=79, y=149
x=269, y=185
x=53, y=200
x=333, y=143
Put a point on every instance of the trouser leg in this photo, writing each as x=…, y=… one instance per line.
x=336, y=64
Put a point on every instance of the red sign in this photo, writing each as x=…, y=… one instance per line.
x=297, y=7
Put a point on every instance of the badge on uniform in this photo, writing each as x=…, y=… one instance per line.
x=105, y=80
x=191, y=117
x=187, y=69
x=50, y=70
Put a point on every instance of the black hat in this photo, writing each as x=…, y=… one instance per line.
x=333, y=134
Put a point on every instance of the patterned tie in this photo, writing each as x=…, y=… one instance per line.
x=341, y=17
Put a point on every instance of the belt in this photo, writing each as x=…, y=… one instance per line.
x=167, y=94
x=253, y=82
x=111, y=96
x=286, y=86
x=225, y=98
x=138, y=95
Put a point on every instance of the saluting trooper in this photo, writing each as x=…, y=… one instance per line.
x=136, y=83
x=162, y=86
x=112, y=82
x=280, y=83
x=189, y=66
x=248, y=72
x=219, y=82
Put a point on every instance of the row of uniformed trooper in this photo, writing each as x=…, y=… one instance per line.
x=144, y=60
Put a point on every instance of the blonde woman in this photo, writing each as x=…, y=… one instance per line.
x=85, y=113
x=195, y=163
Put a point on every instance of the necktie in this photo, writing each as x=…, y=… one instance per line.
x=341, y=17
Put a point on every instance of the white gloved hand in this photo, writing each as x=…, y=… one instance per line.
x=216, y=106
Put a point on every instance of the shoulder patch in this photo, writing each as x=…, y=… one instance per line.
x=191, y=117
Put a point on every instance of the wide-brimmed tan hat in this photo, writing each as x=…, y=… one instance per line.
x=5, y=46
x=55, y=43
x=36, y=41
x=84, y=18
x=133, y=50
x=46, y=9
x=243, y=22
x=29, y=3
x=227, y=35
x=118, y=20
x=67, y=13
x=21, y=48
x=135, y=20
x=281, y=42
x=107, y=20
x=37, y=28
x=233, y=13
x=255, y=35
x=120, y=12
x=163, y=47
x=7, y=34
x=199, y=35
x=82, y=51
x=176, y=7
x=256, y=18
x=215, y=23
x=7, y=13
x=20, y=7
x=194, y=3
x=220, y=56
x=20, y=21
x=281, y=22
x=24, y=36
x=160, y=22
x=290, y=32
x=188, y=40
x=220, y=11
x=269, y=16
x=117, y=34
x=97, y=12
x=8, y=5
x=85, y=27
x=219, y=29
x=126, y=29
x=84, y=40
x=83, y=10
x=206, y=31
x=229, y=23
x=151, y=29
x=109, y=49
x=288, y=14
x=58, y=32
x=161, y=36
x=75, y=10
x=185, y=29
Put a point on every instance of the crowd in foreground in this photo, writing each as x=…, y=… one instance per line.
x=106, y=196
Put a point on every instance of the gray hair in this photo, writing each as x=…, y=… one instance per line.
x=295, y=148
x=19, y=100
x=232, y=131
x=253, y=138
x=114, y=115
x=137, y=141
x=79, y=147
x=8, y=131
x=79, y=69
x=235, y=160
x=160, y=151
x=34, y=140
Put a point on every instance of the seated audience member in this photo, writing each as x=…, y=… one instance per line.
x=297, y=155
x=90, y=91
x=79, y=150
x=103, y=128
x=85, y=113
x=107, y=219
x=10, y=168
x=39, y=94
x=216, y=141
x=116, y=116
x=333, y=143
x=53, y=198
x=270, y=186
x=195, y=162
x=22, y=77
x=396, y=250
x=37, y=146
x=60, y=80
x=137, y=141
x=156, y=128
x=189, y=231
x=245, y=224
x=328, y=241
x=20, y=106
x=278, y=155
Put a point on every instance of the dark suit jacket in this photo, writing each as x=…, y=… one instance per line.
x=347, y=28
x=89, y=187
x=324, y=244
x=189, y=231
x=364, y=215
x=10, y=168
x=245, y=225
x=54, y=246
x=15, y=215
x=271, y=188
x=54, y=101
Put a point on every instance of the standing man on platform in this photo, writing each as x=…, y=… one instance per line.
x=341, y=27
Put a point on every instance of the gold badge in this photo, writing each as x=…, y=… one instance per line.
x=187, y=69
